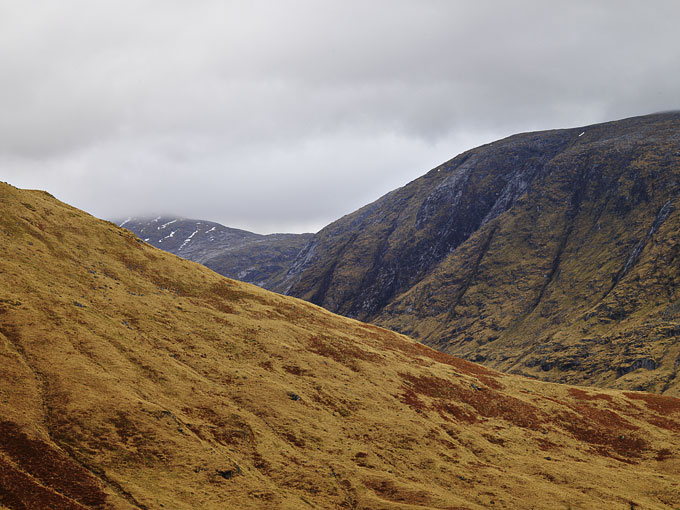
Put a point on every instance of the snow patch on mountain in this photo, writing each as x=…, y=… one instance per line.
x=166, y=224
x=187, y=240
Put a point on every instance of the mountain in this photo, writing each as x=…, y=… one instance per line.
x=552, y=254
x=239, y=254
x=134, y=379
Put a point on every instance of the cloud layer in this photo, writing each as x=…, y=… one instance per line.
x=284, y=115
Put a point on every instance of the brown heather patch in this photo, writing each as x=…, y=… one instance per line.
x=221, y=305
x=659, y=403
x=225, y=430
x=664, y=454
x=487, y=402
x=173, y=285
x=394, y=343
x=338, y=405
x=340, y=351
x=361, y=460
x=20, y=491
x=446, y=409
x=132, y=240
x=10, y=331
x=494, y=439
x=561, y=403
x=133, y=264
x=605, y=429
x=264, y=496
x=296, y=370
x=546, y=445
x=267, y=365
x=484, y=374
x=227, y=291
x=293, y=439
x=606, y=438
x=664, y=423
x=50, y=467
x=387, y=489
x=410, y=398
x=125, y=429
x=448, y=444
x=603, y=417
x=259, y=462
x=224, y=291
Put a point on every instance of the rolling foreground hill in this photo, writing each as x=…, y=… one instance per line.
x=239, y=254
x=553, y=254
x=132, y=378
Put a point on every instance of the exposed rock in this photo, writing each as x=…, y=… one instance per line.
x=646, y=363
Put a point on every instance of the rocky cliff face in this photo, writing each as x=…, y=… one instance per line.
x=553, y=254
x=239, y=254
x=384, y=248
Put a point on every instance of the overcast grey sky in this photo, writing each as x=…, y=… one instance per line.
x=283, y=115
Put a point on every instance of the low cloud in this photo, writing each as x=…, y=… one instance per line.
x=280, y=116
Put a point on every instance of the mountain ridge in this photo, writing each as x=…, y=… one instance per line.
x=413, y=260
x=235, y=253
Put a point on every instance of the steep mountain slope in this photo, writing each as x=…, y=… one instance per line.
x=553, y=254
x=132, y=378
x=235, y=253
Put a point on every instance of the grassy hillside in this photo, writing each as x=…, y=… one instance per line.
x=132, y=378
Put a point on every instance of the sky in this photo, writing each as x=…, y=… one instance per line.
x=284, y=115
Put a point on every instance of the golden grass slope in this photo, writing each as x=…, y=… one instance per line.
x=135, y=379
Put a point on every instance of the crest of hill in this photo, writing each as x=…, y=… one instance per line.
x=132, y=378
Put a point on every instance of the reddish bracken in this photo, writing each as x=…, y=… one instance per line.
x=340, y=351
x=659, y=403
x=51, y=474
x=606, y=439
x=296, y=370
x=664, y=454
x=20, y=491
x=390, y=341
x=487, y=402
x=390, y=491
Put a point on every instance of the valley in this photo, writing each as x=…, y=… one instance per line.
x=549, y=254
